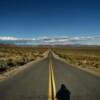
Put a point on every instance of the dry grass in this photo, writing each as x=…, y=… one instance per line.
x=12, y=56
x=81, y=56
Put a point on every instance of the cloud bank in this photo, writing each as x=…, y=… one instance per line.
x=56, y=40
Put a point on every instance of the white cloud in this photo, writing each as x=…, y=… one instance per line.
x=55, y=40
x=8, y=38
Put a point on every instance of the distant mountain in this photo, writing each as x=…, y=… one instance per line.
x=7, y=44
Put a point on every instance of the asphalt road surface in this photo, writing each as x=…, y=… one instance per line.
x=51, y=77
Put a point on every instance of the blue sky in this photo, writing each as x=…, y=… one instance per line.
x=40, y=18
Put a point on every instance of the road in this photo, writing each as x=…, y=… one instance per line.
x=51, y=77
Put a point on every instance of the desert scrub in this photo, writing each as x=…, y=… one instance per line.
x=11, y=63
x=3, y=66
x=81, y=56
x=13, y=56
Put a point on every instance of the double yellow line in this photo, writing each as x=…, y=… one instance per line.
x=52, y=86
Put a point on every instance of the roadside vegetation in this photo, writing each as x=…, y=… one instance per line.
x=14, y=56
x=80, y=56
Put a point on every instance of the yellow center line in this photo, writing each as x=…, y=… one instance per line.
x=52, y=86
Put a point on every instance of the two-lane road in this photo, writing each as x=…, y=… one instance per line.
x=37, y=81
